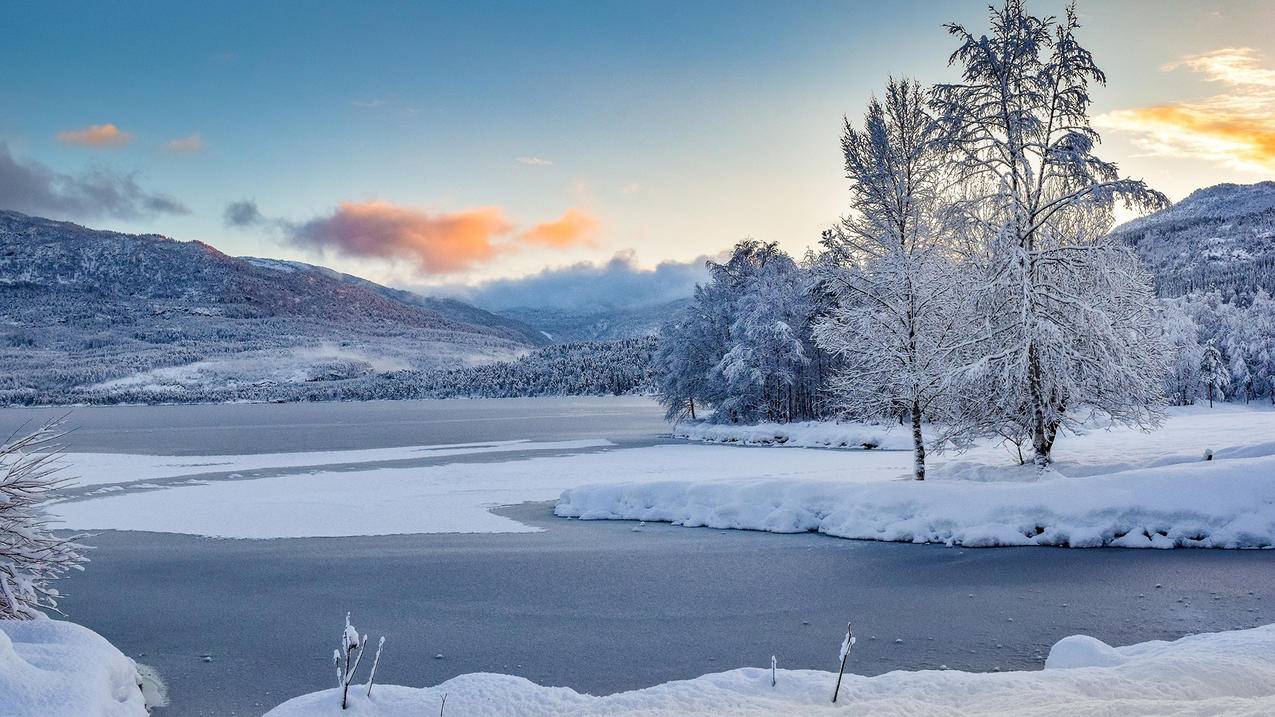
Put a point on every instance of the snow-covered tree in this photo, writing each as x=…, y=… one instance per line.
x=765, y=369
x=1214, y=375
x=1069, y=314
x=691, y=343
x=31, y=557
x=1182, y=384
x=744, y=347
x=898, y=320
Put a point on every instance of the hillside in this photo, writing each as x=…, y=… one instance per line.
x=1220, y=237
x=87, y=311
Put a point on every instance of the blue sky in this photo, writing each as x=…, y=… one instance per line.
x=670, y=129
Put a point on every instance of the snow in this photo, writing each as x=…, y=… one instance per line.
x=448, y=498
x=1118, y=489
x=51, y=668
x=100, y=468
x=1226, y=673
x=806, y=434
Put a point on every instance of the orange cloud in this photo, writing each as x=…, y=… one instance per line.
x=437, y=243
x=1235, y=128
x=96, y=135
x=185, y=145
x=574, y=227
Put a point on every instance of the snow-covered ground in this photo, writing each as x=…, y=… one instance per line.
x=1227, y=673
x=51, y=668
x=1110, y=488
x=808, y=434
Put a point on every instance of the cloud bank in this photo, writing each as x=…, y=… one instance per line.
x=1235, y=128
x=584, y=286
x=33, y=188
x=96, y=135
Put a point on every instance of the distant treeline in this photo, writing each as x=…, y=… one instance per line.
x=587, y=368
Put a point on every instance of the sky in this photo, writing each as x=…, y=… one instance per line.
x=438, y=146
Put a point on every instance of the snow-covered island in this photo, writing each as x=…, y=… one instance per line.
x=1108, y=488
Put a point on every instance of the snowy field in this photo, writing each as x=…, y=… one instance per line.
x=1118, y=488
x=1229, y=673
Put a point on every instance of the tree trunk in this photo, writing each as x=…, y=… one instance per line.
x=1041, y=440
x=918, y=443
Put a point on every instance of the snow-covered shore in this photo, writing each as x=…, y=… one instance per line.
x=1120, y=488
x=52, y=668
x=1227, y=673
x=807, y=434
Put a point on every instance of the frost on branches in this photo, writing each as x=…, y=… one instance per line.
x=890, y=267
x=31, y=556
x=1068, y=314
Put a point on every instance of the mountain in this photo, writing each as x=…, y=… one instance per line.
x=1221, y=237
x=84, y=311
x=602, y=324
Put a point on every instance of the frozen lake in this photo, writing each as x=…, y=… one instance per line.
x=598, y=606
x=280, y=427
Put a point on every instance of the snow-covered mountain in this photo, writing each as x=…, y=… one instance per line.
x=451, y=309
x=96, y=310
x=1220, y=237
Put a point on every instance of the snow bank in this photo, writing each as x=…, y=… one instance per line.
x=51, y=668
x=811, y=434
x=1216, y=504
x=1228, y=673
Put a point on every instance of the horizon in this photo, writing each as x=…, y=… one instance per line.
x=626, y=138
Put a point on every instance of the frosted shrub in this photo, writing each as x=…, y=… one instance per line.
x=347, y=657
x=31, y=556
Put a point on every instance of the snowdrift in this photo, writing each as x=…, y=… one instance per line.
x=1214, y=504
x=51, y=668
x=1228, y=673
